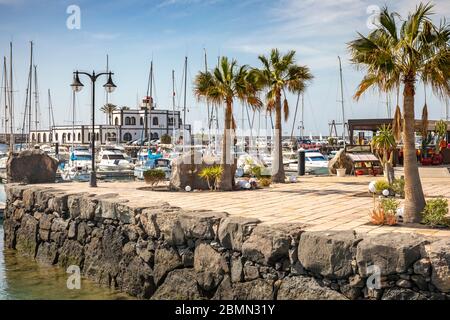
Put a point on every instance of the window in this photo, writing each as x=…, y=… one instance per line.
x=97, y=136
x=79, y=136
x=127, y=120
x=33, y=137
x=56, y=137
x=63, y=138
x=127, y=136
x=170, y=121
x=155, y=121
x=141, y=121
x=68, y=137
x=116, y=157
x=44, y=137
x=116, y=121
x=39, y=137
x=154, y=136
x=133, y=120
x=89, y=137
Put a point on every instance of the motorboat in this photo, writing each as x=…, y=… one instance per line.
x=114, y=159
x=153, y=163
x=315, y=163
x=79, y=165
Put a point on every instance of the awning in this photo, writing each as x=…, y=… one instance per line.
x=362, y=157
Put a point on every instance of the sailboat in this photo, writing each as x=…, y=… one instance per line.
x=79, y=165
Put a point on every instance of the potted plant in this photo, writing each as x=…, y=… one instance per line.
x=154, y=176
x=341, y=169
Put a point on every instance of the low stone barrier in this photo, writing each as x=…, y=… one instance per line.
x=164, y=252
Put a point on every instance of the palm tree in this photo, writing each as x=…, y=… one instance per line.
x=384, y=143
x=395, y=55
x=222, y=86
x=108, y=109
x=279, y=74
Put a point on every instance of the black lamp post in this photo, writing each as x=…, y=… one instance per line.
x=77, y=86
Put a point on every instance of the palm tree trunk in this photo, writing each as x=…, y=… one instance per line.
x=226, y=181
x=277, y=163
x=388, y=172
x=414, y=198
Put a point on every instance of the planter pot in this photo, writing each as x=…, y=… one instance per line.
x=340, y=172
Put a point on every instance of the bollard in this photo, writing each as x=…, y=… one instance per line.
x=301, y=163
x=56, y=149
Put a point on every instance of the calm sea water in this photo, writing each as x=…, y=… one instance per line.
x=24, y=279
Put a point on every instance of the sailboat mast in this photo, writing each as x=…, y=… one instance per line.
x=303, y=116
x=30, y=83
x=184, y=103
x=5, y=97
x=11, y=100
x=207, y=106
x=73, y=119
x=150, y=98
x=173, y=107
x=49, y=112
x=36, y=100
x=342, y=99
x=107, y=70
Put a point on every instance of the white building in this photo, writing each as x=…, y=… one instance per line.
x=127, y=125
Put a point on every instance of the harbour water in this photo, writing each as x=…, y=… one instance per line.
x=24, y=279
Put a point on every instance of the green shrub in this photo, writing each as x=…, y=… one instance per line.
x=154, y=176
x=212, y=176
x=389, y=205
x=381, y=185
x=398, y=186
x=435, y=212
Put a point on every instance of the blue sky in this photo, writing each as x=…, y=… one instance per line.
x=134, y=31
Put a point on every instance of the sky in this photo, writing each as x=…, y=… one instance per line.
x=134, y=32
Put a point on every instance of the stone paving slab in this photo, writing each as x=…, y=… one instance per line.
x=322, y=203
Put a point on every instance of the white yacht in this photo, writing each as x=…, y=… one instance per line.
x=114, y=159
x=315, y=163
x=79, y=166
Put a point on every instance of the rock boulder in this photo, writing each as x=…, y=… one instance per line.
x=185, y=170
x=31, y=166
x=340, y=157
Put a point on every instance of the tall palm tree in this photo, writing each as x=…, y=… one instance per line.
x=222, y=86
x=402, y=52
x=384, y=144
x=108, y=109
x=280, y=73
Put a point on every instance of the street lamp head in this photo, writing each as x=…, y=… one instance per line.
x=110, y=86
x=76, y=85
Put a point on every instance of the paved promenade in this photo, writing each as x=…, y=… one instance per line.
x=322, y=203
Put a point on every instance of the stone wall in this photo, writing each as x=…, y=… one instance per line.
x=164, y=252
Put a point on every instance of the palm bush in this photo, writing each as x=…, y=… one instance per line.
x=384, y=144
x=212, y=176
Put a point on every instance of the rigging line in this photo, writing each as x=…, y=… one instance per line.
x=311, y=112
x=295, y=114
